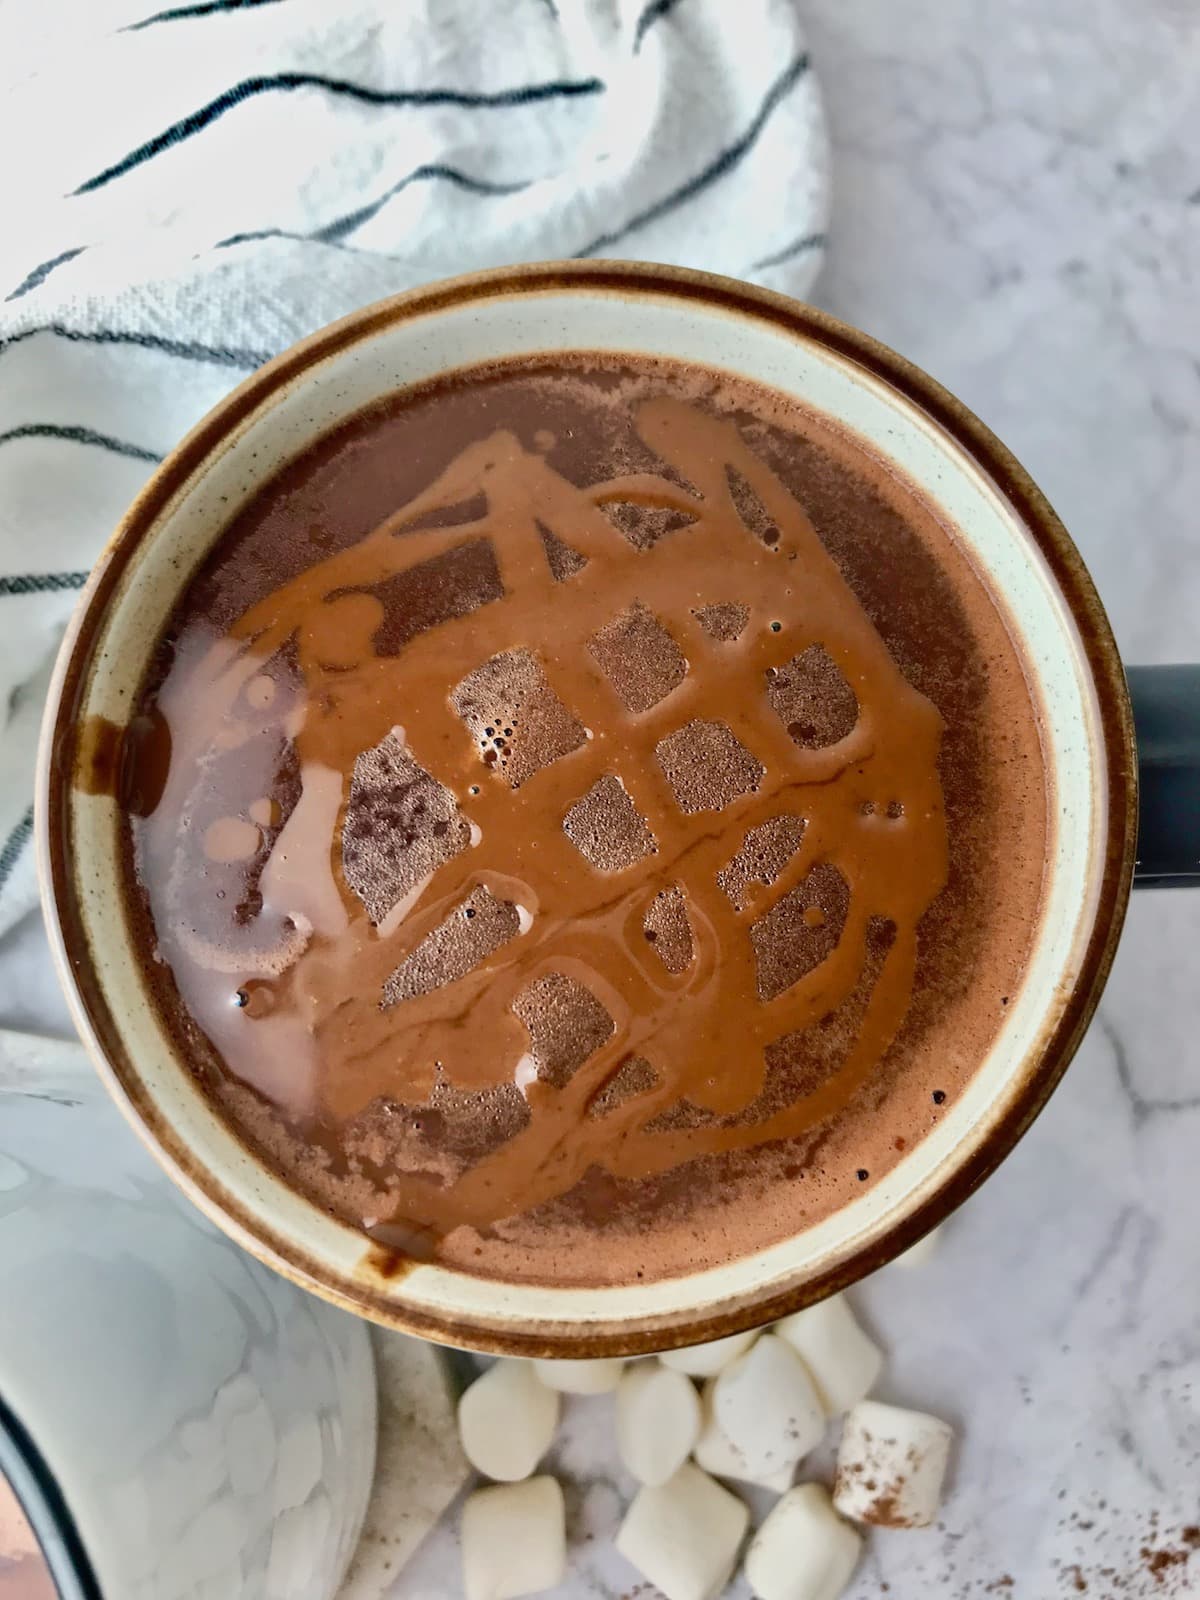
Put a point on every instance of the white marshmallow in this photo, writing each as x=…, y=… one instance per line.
x=890, y=1466
x=513, y=1540
x=658, y=1421
x=706, y=1360
x=580, y=1377
x=715, y=1454
x=506, y=1420
x=766, y=1406
x=684, y=1535
x=803, y=1551
x=842, y=1361
x=918, y=1254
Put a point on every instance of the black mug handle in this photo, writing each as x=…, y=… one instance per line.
x=1166, y=719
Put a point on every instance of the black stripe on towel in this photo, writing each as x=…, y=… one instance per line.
x=654, y=12
x=42, y=582
x=217, y=355
x=297, y=238
x=77, y=435
x=206, y=9
x=798, y=247
x=42, y=271
x=527, y=94
x=13, y=846
x=341, y=226
x=724, y=163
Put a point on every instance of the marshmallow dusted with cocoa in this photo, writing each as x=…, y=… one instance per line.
x=891, y=1465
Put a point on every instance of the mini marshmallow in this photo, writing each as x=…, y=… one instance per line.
x=766, y=1406
x=716, y=1455
x=803, y=1551
x=506, y=1420
x=683, y=1536
x=842, y=1361
x=513, y=1540
x=706, y=1360
x=918, y=1254
x=658, y=1421
x=580, y=1377
x=890, y=1466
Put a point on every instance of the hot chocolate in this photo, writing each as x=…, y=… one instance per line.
x=586, y=819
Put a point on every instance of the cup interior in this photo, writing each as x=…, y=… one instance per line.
x=1015, y=543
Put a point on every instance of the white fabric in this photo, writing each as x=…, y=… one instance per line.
x=186, y=192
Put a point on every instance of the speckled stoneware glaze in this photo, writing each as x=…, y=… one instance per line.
x=1014, y=538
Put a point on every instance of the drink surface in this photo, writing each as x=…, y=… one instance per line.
x=586, y=820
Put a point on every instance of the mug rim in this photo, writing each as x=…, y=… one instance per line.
x=1034, y=1078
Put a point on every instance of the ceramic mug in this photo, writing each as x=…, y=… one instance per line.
x=1014, y=539
x=176, y=1422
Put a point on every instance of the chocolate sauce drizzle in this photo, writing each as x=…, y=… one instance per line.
x=661, y=931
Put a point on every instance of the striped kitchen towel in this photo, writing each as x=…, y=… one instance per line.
x=188, y=190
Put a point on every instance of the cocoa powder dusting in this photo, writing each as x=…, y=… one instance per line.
x=1113, y=1558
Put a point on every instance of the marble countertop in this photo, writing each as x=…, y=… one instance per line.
x=1016, y=207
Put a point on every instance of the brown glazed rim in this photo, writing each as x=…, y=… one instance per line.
x=1069, y=1012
